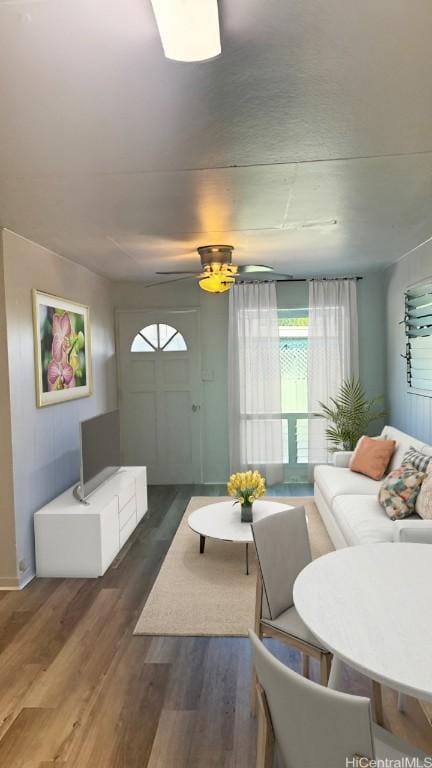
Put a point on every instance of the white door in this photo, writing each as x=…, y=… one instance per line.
x=160, y=393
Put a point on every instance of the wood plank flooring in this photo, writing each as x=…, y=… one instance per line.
x=77, y=690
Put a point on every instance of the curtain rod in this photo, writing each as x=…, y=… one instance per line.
x=301, y=279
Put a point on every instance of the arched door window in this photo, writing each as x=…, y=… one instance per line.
x=159, y=338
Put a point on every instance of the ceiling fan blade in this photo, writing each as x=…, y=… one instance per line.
x=251, y=277
x=281, y=276
x=167, y=282
x=253, y=268
x=179, y=272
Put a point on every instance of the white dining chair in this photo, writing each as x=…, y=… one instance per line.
x=283, y=550
x=305, y=725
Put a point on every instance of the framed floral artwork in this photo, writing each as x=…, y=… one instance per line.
x=62, y=349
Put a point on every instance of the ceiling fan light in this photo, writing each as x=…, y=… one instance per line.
x=189, y=29
x=216, y=283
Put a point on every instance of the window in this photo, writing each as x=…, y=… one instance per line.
x=293, y=350
x=159, y=338
x=418, y=331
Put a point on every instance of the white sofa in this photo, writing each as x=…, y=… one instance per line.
x=348, y=502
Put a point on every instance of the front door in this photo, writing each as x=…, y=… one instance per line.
x=160, y=393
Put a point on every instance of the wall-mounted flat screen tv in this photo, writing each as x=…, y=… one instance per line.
x=100, y=451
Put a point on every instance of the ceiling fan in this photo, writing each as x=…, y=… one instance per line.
x=218, y=273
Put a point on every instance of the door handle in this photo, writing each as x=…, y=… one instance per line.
x=196, y=408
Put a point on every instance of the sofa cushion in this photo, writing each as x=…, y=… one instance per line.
x=362, y=520
x=336, y=481
x=427, y=449
x=403, y=443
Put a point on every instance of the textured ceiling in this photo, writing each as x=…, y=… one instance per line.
x=316, y=112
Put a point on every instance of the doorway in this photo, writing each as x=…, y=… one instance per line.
x=160, y=393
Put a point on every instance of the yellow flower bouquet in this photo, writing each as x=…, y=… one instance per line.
x=246, y=487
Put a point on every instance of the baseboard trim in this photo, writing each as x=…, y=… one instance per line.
x=9, y=583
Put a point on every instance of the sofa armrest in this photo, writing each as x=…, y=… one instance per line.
x=342, y=458
x=415, y=531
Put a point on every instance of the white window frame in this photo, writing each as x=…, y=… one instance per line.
x=160, y=347
x=422, y=330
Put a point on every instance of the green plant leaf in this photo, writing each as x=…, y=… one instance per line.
x=349, y=415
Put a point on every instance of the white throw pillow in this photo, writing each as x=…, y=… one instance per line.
x=424, y=499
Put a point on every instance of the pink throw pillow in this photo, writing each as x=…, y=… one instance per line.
x=372, y=457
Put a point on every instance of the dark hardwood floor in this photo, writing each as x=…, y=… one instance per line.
x=77, y=690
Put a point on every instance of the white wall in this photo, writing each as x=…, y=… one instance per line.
x=45, y=441
x=8, y=563
x=372, y=337
x=409, y=412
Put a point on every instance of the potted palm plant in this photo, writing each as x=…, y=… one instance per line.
x=349, y=415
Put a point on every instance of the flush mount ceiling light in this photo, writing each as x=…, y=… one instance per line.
x=189, y=29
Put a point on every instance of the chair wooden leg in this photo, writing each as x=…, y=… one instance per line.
x=305, y=665
x=337, y=675
x=258, y=631
x=265, y=736
x=377, y=702
x=325, y=664
x=253, y=702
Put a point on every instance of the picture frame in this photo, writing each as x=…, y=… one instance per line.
x=62, y=349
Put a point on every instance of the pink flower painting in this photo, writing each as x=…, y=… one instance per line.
x=63, y=362
x=62, y=330
x=60, y=375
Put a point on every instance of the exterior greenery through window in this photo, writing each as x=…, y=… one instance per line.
x=293, y=345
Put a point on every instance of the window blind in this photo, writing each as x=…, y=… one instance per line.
x=418, y=330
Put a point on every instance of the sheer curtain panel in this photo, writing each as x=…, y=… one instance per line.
x=333, y=352
x=254, y=382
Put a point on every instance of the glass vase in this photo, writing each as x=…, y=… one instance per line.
x=246, y=512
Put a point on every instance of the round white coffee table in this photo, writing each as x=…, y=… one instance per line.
x=222, y=521
x=370, y=605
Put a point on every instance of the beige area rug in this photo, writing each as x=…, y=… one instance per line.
x=210, y=594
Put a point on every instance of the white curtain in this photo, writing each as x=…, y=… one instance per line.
x=333, y=352
x=254, y=382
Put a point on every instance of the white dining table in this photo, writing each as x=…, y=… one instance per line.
x=371, y=606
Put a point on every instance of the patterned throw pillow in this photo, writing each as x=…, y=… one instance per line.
x=399, y=491
x=417, y=459
x=424, y=499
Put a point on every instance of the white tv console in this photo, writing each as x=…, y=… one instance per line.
x=81, y=540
